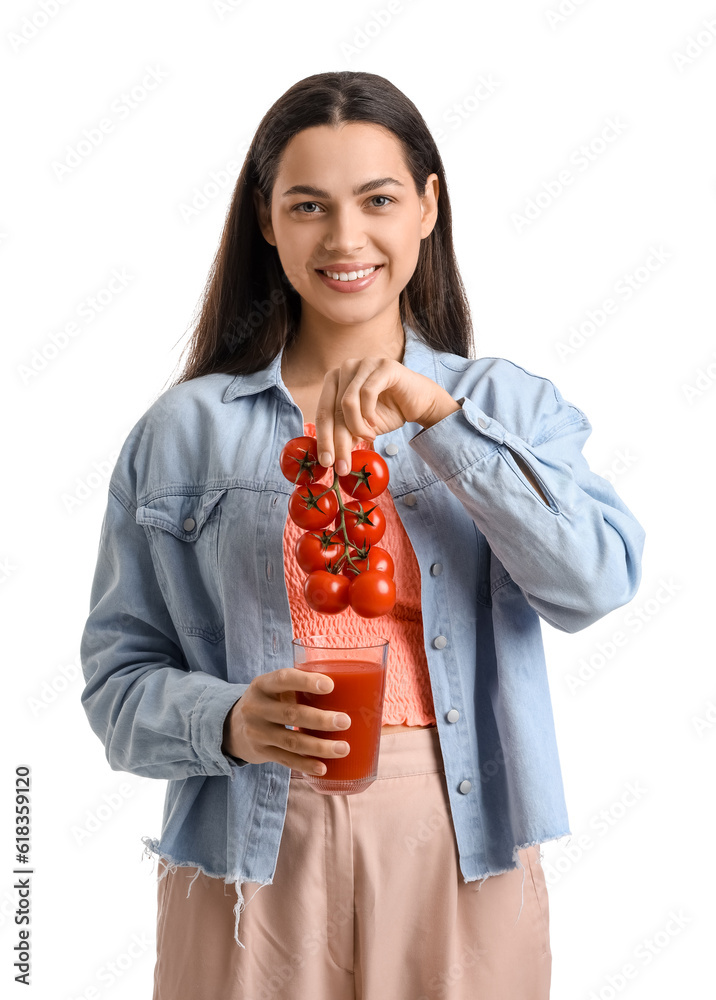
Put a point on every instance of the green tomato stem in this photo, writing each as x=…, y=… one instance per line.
x=342, y=508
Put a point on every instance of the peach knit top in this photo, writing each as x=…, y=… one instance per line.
x=408, y=695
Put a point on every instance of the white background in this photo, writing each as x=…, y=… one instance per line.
x=644, y=713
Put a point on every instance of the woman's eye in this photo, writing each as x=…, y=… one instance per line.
x=299, y=208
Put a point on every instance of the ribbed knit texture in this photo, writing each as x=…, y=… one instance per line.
x=408, y=696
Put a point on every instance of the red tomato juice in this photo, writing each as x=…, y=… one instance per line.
x=358, y=688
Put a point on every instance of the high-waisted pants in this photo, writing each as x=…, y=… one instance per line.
x=367, y=902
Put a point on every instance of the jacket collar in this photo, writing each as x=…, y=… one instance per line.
x=417, y=356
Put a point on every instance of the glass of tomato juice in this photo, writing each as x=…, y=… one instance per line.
x=358, y=674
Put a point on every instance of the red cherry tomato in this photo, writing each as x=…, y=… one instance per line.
x=368, y=477
x=299, y=461
x=372, y=594
x=365, y=523
x=377, y=558
x=326, y=592
x=313, y=552
x=309, y=510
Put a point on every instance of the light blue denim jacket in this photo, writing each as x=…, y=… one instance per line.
x=189, y=601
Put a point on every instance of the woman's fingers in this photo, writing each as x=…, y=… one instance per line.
x=349, y=422
x=333, y=436
x=377, y=389
x=360, y=394
x=325, y=418
x=340, y=419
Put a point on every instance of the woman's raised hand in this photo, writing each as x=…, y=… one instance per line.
x=370, y=396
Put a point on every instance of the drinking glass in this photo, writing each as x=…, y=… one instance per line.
x=358, y=673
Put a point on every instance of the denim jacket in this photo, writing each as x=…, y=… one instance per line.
x=189, y=602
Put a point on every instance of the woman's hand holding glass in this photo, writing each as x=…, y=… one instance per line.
x=254, y=729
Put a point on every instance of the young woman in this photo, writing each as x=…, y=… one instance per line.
x=335, y=309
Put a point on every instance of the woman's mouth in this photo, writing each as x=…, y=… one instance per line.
x=349, y=281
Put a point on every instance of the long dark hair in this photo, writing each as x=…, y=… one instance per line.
x=249, y=309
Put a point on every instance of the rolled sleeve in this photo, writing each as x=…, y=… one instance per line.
x=575, y=557
x=451, y=445
x=207, y=724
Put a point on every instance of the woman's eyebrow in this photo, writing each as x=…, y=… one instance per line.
x=361, y=189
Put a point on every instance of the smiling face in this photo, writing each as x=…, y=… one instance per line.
x=344, y=201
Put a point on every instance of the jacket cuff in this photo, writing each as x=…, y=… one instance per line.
x=206, y=726
x=450, y=445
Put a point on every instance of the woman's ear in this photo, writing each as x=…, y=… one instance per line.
x=429, y=206
x=264, y=217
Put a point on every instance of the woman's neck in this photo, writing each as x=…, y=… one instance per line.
x=311, y=354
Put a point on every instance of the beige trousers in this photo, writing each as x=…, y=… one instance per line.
x=367, y=902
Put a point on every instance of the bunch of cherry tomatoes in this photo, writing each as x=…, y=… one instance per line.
x=344, y=566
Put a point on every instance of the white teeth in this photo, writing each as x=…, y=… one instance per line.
x=349, y=275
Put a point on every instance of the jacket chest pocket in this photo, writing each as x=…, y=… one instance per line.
x=183, y=532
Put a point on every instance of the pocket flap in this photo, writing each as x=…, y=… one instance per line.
x=184, y=515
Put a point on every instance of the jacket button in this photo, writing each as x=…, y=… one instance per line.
x=453, y=715
x=410, y=500
x=189, y=524
x=464, y=787
x=440, y=642
x=391, y=449
x=481, y=422
x=436, y=569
